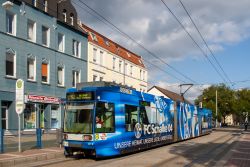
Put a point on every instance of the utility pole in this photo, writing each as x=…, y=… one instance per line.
x=216, y=108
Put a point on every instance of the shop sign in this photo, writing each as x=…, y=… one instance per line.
x=42, y=99
x=19, y=96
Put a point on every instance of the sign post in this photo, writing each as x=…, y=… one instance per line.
x=19, y=107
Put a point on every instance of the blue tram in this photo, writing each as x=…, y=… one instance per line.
x=108, y=120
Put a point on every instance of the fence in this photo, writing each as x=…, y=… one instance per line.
x=35, y=138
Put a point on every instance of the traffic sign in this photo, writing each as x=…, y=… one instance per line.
x=19, y=96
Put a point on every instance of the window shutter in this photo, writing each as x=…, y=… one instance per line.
x=45, y=70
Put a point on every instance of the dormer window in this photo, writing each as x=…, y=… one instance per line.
x=45, y=5
x=64, y=15
x=118, y=50
x=34, y=3
x=72, y=19
x=106, y=42
x=93, y=36
x=128, y=54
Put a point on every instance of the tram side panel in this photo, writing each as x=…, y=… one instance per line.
x=148, y=122
x=188, y=125
x=206, y=120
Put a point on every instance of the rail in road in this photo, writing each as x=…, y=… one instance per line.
x=202, y=151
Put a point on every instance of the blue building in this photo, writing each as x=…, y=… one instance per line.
x=40, y=43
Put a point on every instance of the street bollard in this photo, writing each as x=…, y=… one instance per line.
x=39, y=138
x=1, y=140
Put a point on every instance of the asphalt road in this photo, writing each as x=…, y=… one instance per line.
x=207, y=150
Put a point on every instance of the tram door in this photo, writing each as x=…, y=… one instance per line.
x=4, y=118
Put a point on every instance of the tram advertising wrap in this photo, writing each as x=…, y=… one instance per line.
x=113, y=120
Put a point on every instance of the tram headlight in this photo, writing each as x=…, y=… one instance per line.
x=87, y=137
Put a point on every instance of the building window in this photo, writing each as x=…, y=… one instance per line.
x=101, y=78
x=10, y=64
x=60, y=39
x=94, y=55
x=55, y=116
x=120, y=66
x=31, y=69
x=45, y=36
x=45, y=5
x=45, y=72
x=60, y=76
x=114, y=63
x=94, y=78
x=29, y=116
x=76, y=48
x=131, y=70
x=64, y=15
x=31, y=30
x=10, y=23
x=72, y=19
x=143, y=76
x=34, y=3
x=126, y=69
x=101, y=57
x=76, y=78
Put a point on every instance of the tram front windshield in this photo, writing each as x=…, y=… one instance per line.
x=78, y=118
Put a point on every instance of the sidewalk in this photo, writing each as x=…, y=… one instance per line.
x=28, y=156
x=239, y=155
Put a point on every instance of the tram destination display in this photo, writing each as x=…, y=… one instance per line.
x=80, y=96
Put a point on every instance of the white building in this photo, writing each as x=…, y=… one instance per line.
x=108, y=61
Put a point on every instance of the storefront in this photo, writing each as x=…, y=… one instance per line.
x=42, y=112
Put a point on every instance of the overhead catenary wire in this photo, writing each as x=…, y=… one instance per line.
x=139, y=44
x=211, y=52
x=183, y=27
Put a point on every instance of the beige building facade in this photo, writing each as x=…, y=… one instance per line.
x=108, y=61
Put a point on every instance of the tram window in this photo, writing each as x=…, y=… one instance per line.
x=104, y=118
x=151, y=113
x=143, y=116
x=131, y=117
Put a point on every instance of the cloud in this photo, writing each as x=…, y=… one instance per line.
x=224, y=22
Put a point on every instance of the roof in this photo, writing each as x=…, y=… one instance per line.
x=113, y=47
x=171, y=95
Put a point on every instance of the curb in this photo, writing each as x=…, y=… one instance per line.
x=30, y=159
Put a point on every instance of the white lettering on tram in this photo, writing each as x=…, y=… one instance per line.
x=152, y=129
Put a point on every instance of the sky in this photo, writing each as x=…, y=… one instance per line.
x=224, y=24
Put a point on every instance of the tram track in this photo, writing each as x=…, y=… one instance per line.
x=206, y=154
x=204, y=150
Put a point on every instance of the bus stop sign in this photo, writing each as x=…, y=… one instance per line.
x=19, y=96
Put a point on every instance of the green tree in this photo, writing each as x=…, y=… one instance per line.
x=226, y=100
x=242, y=103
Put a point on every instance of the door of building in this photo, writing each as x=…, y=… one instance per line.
x=41, y=112
x=4, y=118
